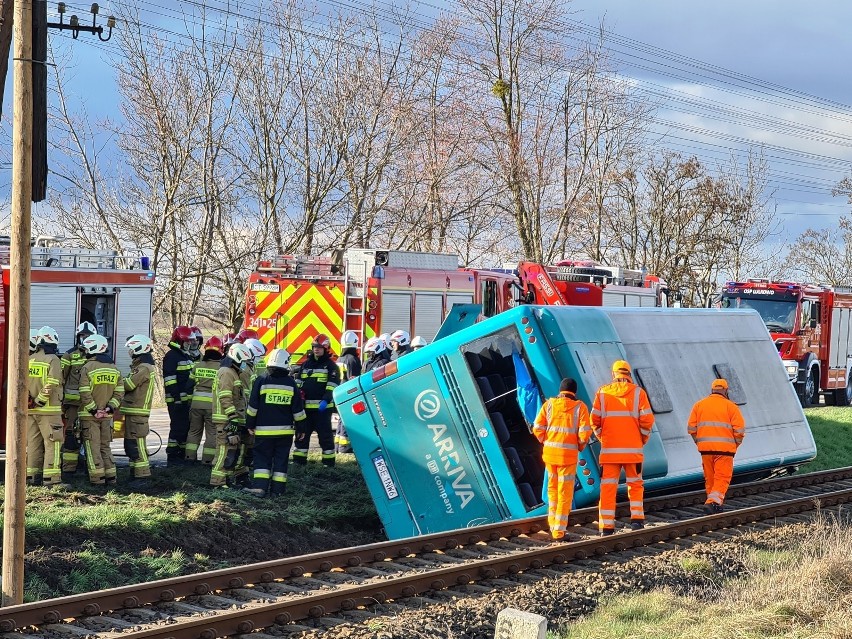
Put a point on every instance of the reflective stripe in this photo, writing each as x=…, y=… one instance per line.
x=728, y=440
x=620, y=451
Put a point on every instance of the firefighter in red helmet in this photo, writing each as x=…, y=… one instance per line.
x=318, y=378
x=201, y=405
x=247, y=333
x=177, y=366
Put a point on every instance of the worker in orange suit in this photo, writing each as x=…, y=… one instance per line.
x=563, y=426
x=717, y=427
x=622, y=420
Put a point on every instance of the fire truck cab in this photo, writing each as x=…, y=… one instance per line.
x=812, y=329
x=71, y=285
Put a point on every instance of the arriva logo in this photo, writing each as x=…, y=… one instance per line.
x=427, y=405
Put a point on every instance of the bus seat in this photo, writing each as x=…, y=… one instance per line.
x=474, y=362
x=500, y=428
x=499, y=388
x=528, y=495
x=486, y=391
x=514, y=460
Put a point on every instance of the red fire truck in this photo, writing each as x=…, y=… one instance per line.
x=373, y=291
x=587, y=283
x=811, y=328
x=369, y=291
x=73, y=285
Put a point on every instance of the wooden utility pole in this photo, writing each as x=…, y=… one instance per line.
x=19, y=308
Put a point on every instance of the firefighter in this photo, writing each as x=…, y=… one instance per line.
x=247, y=334
x=136, y=404
x=622, y=421
x=388, y=350
x=248, y=375
x=350, y=367
x=375, y=351
x=195, y=346
x=318, y=378
x=44, y=414
x=563, y=427
x=177, y=366
x=417, y=343
x=101, y=391
x=229, y=414
x=201, y=406
x=274, y=407
x=72, y=363
x=717, y=427
x=400, y=344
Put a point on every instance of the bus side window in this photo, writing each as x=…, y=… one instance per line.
x=489, y=298
x=651, y=380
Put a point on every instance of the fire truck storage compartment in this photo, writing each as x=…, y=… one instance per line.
x=133, y=317
x=97, y=305
x=491, y=363
x=428, y=315
x=840, y=337
x=396, y=312
x=55, y=306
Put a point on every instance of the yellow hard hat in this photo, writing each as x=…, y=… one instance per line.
x=621, y=366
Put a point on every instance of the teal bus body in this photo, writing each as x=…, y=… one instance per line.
x=444, y=442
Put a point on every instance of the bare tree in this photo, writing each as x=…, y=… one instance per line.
x=6, y=8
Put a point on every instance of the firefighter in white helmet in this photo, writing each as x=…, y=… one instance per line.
x=350, y=367
x=400, y=344
x=375, y=350
x=248, y=373
x=44, y=416
x=101, y=391
x=417, y=343
x=136, y=404
x=229, y=414
x=72, y=364
x=274, y=408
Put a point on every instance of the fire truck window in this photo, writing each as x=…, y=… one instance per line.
x=735, y=390
x=489, y=298
x=652, y=382
x=806, y=313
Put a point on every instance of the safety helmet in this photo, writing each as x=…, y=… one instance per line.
x=256, y=347
x=620, y=366
x=246, y=333
x=321, y=340
x=349, y=340
x=401, y=337
x=418, y=342
x=33, y=340
x=240, y=353
x=229, y=338
x=95, y=344
x=197, y=334
x=86, y=328
x=374, y=345
x=139, y=344
x=46, y=335
x=385, y=337
x=182, y=334
x=278, y=358
x=215, y=344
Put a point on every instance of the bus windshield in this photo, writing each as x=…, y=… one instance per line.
x=778, y=315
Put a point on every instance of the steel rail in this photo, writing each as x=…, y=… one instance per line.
x=133, y=596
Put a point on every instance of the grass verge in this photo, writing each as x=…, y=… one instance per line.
x=832, y=429
x=791, y=594
x=83, y=539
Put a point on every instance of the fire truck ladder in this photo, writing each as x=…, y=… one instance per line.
x=538, y=281
x=356, y=290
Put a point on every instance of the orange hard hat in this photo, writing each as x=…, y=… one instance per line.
x=621, y=366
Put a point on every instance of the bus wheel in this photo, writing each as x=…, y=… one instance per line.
x=843, y=396
x=810, y=395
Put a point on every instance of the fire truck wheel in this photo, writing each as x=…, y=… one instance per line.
x=810, y=393
x=843, y=396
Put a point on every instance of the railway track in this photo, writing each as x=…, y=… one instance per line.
x=348, y=583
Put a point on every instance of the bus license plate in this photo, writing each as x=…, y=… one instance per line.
x=384, y=475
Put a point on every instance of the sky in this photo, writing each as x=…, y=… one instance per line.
x=728, y=75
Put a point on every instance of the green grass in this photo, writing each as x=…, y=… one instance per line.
x=832, y=429
x=86, y=539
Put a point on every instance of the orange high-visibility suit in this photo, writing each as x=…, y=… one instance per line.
x=563, y=426
x=717, y=427
x=622, y=421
